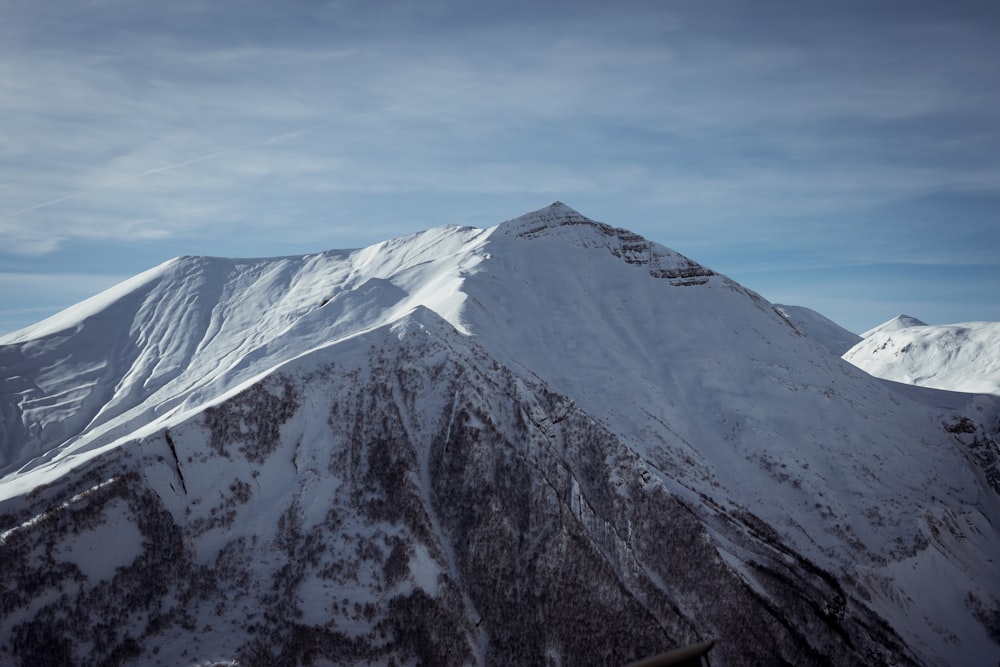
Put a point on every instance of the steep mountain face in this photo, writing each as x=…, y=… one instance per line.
x=956, y=357
x=552, y=441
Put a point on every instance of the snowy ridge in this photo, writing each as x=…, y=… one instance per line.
x=195, y=327
x=957, y=357
x=549, y=438
x=834, y=337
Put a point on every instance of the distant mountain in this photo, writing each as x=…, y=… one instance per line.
x=957, y=357
x=833, y=337
x=895, y=324
x=547, y=442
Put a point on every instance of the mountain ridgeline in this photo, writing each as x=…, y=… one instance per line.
x=548, y=442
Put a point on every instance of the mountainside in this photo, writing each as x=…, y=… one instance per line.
x=956, y=357
x=551, y=441
x=831, y=335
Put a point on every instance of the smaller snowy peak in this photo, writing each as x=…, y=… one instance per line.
x=895, y=324
x=559, y=222
x=831, y=335
x=956, y=357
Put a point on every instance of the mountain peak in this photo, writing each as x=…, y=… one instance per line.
x=895, y=324
x=556, y=214
x=907, y=321
x=557, y=221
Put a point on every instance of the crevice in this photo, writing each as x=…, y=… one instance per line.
x=177, y=461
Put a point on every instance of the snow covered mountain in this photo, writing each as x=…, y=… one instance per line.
x=895, y=324
x=551, y=441
x=956, y=357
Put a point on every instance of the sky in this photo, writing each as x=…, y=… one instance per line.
x=843, y=156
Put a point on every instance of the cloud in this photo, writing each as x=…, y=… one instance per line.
x=174, y=129
x=769, y=136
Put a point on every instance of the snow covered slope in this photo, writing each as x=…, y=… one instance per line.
x=186, y=332
x=834, y=337
x=551, y=440
x=958, y=357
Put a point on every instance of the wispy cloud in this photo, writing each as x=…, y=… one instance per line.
x=376, y=119
x=778, y=125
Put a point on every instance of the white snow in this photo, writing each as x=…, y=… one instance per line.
x=100, y=550
x=424, y=570
x=895, y=324
x=191, y=330
x=834, y=337
x=957, y=357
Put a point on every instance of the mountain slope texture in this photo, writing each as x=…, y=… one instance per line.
x=548, y=442
x=834, y=337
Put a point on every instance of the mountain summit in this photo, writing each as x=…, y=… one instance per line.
x=556, y=214
x=895, y=324
x=549, y=441
x=560, y=222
